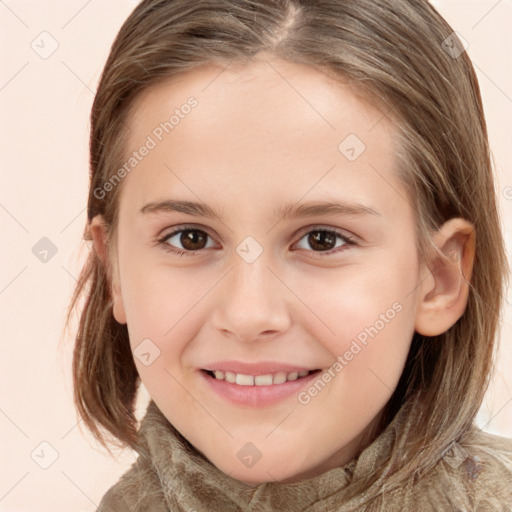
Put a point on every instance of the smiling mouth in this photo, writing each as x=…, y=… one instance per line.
x=258, y=380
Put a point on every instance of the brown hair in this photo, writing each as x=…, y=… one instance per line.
x=391, y=51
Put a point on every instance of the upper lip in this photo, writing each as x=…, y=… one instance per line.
x=261, y=368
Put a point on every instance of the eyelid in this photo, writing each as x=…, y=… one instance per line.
x=183, y=227
x=304, y=230
x=321, y=227
x=349, y=239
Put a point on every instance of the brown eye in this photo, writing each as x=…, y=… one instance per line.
x=190, y=239
x=193, y=239
x=324, y=241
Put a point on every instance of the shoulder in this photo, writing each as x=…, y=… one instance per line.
x=136, y=491
x=475, y=473
x=490, y=468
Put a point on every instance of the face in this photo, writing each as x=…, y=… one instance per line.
x=259, y=290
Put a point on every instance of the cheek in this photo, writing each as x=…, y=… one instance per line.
x=373, y=324
x=163, y=305
x=374, y=357
x=161, y=321
x=346, y=301
x=370, y=316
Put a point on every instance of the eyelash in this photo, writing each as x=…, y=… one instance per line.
x=348, y=241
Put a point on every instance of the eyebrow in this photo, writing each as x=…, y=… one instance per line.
x=286, y=211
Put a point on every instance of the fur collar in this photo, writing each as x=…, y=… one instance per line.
x=171, y=475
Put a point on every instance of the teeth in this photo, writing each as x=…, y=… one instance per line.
x=263, y=380
x=244, y=380
x=258, y=380
x=279, y=378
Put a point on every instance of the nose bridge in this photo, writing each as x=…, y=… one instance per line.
x=250, y=275
x=250, y=279
x=252, y=301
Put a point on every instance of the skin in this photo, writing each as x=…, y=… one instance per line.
x=256, y=140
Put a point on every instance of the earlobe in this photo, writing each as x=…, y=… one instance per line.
x=99, y=234
x=444, y=294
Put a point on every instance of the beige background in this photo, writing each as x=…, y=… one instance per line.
x=45, y=104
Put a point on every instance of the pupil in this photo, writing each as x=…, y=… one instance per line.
x=321, y=237
x=189, y=237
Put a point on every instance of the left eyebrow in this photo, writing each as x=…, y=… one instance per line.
x=312, y=208
x=286, y=211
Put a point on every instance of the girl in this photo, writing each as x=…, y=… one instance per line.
x=297, y=251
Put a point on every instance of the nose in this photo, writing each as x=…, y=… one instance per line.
x=252, y=302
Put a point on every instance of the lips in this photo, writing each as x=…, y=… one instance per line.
x=257, y=393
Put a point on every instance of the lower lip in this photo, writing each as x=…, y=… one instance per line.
x=257, y=396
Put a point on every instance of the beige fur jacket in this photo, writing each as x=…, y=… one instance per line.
x=474, y=475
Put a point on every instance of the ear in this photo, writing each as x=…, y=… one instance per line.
x=443, y=294
x=100, y=239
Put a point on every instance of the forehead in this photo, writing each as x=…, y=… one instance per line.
x=291, y=89
x=269, y=124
